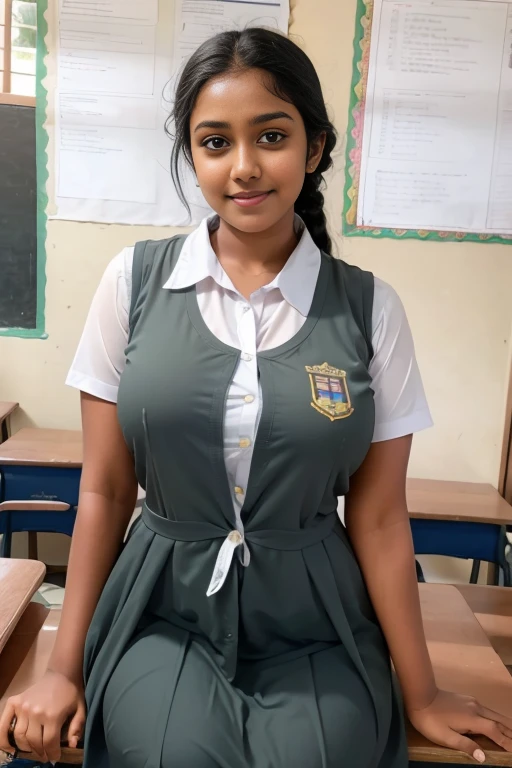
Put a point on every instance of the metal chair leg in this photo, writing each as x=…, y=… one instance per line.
x=6, y=544
x=32, y=545
x=419, y=573
x=475, y=572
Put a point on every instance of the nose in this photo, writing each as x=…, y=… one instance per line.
x=245, y=164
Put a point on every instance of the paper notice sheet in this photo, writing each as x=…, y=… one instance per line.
x=437, y=146
x=197, y=20
x=117, y=61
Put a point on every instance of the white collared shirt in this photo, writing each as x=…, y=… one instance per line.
x=270, y=318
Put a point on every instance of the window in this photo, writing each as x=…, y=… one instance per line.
x=18, y=35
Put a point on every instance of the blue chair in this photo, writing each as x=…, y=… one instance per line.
x=37, y=499
x=34, y=517
x=468, y=541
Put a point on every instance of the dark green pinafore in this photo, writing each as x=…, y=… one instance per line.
x=286, y=666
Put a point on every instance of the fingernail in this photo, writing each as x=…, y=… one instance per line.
x=479, y=755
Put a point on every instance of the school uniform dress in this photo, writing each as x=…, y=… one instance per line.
x=235, y=630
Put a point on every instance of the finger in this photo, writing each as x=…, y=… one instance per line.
x=461, y=743
x=496, y=716
x=506, y=731
x=51, y=742
x=20, y=732
x=5, y=723
x=35, y=739
x=492, y=730
x=76, y=727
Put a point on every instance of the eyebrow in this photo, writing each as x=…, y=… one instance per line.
x=266, y=118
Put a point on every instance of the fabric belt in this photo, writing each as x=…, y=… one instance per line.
x=287, y=541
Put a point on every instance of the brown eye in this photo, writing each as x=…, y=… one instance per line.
x=215, y=143
x=272, y=137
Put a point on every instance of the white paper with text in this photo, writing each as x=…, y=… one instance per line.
x=117, y=62
x=437, y=144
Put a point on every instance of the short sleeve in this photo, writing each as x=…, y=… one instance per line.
x=100, y=357
x=400, y=404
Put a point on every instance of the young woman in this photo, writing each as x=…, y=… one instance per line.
x=246, y=379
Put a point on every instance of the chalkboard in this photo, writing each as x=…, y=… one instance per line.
x=18, y=217
x=23, y=204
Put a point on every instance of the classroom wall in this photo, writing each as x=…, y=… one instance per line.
x=457, y=297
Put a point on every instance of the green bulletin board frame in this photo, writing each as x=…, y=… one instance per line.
x=358, y=94
x=42, y=177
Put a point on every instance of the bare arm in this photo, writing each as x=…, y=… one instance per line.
x=378, y=526
x=108, y=492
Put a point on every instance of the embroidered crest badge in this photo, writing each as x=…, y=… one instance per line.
x=330, y=393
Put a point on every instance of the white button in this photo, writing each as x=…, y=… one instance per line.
x=246, y=309
x=246, y=357
x=245, y=442
x=249, y=398
x=235, y=537
x=239, y=491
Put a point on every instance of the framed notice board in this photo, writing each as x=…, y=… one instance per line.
x=354, y=150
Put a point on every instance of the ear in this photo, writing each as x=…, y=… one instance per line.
x=316, y=150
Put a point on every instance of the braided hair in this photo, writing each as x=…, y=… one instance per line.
x=293, y=78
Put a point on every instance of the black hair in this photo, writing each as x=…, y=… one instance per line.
x=292, y=78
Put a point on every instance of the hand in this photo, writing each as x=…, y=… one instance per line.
x=41, y=712
x=451, y=715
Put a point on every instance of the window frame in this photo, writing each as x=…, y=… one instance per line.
x=6, y=97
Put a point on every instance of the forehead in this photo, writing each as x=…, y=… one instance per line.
x=239, y=97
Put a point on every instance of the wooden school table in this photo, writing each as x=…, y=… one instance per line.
x=465, y=519
x=460, y=502
x=492, y=607
x=463, y=659
x=40, y=475
x=465, y=662
x=6, y=411
x=19, y=581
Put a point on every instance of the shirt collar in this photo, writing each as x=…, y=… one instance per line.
x=296, y=281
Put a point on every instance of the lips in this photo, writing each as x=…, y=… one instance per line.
x=249, y=199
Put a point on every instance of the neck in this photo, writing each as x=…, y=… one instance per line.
x=255, y=252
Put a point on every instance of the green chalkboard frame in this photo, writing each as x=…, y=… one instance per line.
x=354, y=147
x=42, y=177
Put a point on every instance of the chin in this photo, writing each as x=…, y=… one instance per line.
x=252, y=221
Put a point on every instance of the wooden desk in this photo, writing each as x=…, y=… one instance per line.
x=43, y=448
x=460, y=520
x=40, y=465
x=19, y=580
x=492, y=607
x=463, y=658
x=6, y=410
x=448, y=500
x=465, y=662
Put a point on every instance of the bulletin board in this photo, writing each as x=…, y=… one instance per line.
x=354, y=145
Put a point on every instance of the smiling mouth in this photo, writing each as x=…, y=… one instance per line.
x=249, y=199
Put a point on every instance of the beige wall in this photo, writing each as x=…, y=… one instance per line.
x=458, y=297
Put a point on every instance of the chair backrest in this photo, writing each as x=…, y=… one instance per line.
x=470, y=541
